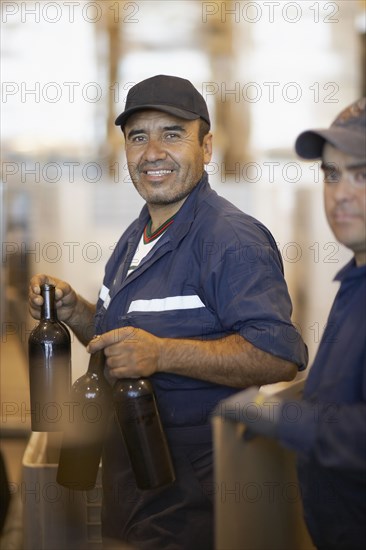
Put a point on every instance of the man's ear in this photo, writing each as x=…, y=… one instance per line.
x=207, y=148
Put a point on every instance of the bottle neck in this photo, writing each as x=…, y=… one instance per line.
x=96, y=363
x=48, y=309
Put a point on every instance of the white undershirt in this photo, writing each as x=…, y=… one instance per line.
x=142, y=250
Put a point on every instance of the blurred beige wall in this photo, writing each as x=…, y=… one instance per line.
x=268, y=70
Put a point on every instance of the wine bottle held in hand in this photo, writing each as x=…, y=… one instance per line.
x=139, y=420
x=49, y=347
x=90, y=409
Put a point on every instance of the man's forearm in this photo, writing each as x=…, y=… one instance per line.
x=232, y=361
x=82, y=320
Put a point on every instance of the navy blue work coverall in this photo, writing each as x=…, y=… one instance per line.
x=329, y=434
x=215, y=271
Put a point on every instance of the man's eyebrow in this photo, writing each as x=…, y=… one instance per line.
x=132, y=133
x=329, y=166
x=356, y=164
x=351, y=166
x=174, y=128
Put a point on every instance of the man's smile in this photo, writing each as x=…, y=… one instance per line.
x=157, y=172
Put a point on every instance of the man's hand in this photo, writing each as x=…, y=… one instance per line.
x=66, y=298
x=259, y=412
x=130, y=352
x=72, y=309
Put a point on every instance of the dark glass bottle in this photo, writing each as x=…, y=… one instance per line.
x=139, y=420
x=49, y=348
x=89, y=411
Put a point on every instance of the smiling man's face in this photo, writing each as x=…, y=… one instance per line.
x=164, y=155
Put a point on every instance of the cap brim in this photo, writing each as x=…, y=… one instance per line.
x=309, y=145
x=187, y=115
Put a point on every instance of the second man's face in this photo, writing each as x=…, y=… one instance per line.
x=345, y=198
x=164, y=156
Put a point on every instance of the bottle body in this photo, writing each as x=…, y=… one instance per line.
x=139, y=420
x=49, y=348
x=84, y=433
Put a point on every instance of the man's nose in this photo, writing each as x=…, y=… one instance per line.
x=154, y=150
x=343, y=190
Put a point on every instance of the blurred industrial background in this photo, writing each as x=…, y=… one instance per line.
x=268, y=70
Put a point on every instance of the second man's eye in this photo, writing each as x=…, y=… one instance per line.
x=360, y=177
x=331, y=175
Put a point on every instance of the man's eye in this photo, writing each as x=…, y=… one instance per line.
x=172, y=135
x=360, y=177
x=138, y=139
x=331, y=175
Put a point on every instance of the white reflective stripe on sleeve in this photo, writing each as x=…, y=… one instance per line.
x=104, y=291
x=104, y=295
x=166, y=304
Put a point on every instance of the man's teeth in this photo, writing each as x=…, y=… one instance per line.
x=158, y=172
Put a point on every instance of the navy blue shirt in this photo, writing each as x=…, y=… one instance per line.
x=216, y=271
x=330, y=432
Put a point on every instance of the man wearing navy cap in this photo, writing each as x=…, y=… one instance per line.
x=329, y=433
x=193, y=297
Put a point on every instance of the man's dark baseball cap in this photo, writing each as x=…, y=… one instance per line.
x=170, y=94
x=347, y=133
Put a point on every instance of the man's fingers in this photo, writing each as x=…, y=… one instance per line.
x=35, y=288
x=101, y=341
x=125, y=334
x=95, y=344
x=39, y=280
x=59, y=294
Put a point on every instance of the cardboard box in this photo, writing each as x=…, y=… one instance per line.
x=55, y=517
x=257, y=495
